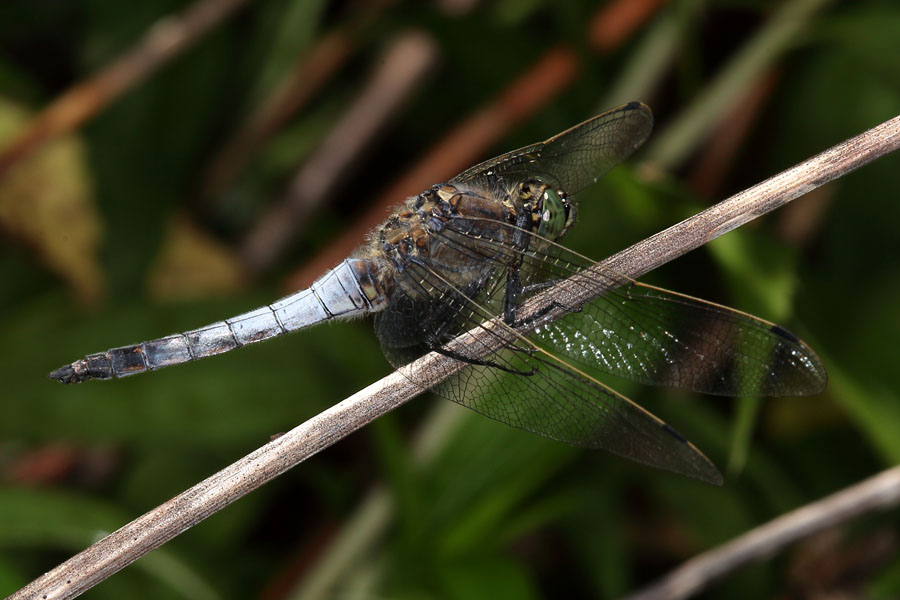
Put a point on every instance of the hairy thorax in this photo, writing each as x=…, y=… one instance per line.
x=456, y=230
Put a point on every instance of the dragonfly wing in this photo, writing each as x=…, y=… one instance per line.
x=573, y=159
x=516, y=384
x=652, y=335
x=659, y=337
x=546, y=397
x=526, y=372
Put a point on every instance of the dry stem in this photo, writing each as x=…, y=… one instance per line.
x=878, y=492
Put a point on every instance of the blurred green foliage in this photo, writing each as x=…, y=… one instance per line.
x=494, y=512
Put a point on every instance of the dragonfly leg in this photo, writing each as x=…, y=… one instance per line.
x=483, y=363
x=540, y=286
x=513, y=292
x=540, y=314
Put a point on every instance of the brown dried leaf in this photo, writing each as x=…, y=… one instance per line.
x=192, y=264
x=46, y=204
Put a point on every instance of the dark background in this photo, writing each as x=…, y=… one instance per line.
x=113, y=234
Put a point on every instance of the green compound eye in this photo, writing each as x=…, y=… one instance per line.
x=553, y=215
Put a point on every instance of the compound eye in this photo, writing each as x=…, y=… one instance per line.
x=553, y=215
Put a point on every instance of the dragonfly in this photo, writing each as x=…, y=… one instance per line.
x=465, y=269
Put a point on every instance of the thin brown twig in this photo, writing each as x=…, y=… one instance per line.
x=311, y=72
x=652, y=56
x=779, y=33
x=469, y=140
x=162, y=42
x=879, y=492
x=163, y=523
x=727, y=139
x=456, y=151
x=398, y=74
x=307, y=76
x=758, y=200
x=617, y=22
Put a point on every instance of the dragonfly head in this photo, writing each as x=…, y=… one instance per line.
x=555, y=214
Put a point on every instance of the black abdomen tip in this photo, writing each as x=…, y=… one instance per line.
x=65, y=374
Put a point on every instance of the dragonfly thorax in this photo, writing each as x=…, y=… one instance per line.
x=408, y=234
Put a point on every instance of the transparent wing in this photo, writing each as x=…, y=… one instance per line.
x=658, y=337
x=558, y=403
x=519, y=385
x=643, y=333
x=573, y=159
x=523, y=368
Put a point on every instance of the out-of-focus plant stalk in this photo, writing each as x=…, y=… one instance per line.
x=880, y=492
x=684, y=134
x=166, y=39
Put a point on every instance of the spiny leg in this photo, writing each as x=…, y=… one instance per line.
x=485, y=363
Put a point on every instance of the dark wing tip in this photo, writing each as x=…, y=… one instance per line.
x=639, y=107
x=814, y=376
x=639, y=119
x=714, y=478
x=703, y=469
x=635, y=105
x=782, y=332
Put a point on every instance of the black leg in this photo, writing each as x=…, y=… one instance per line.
x=483, y=363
